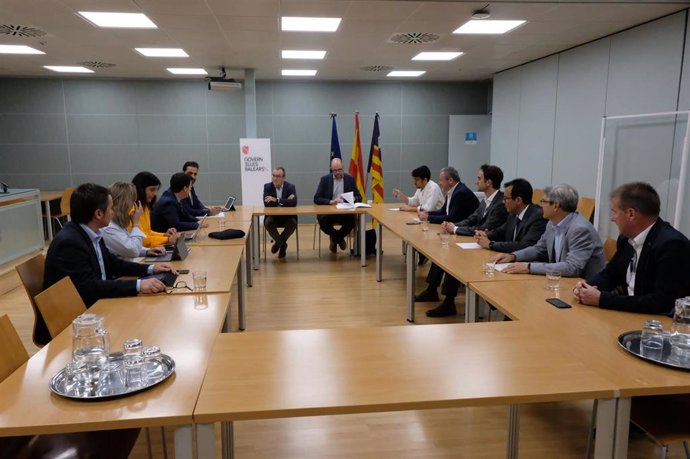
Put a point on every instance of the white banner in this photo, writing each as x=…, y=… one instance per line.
x=255, y=158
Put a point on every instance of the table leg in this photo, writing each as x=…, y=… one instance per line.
x=363, y=239
x=250, y=274
x=513, y=431
x=411, y=265
x=241, y=293
x=227, y=440
x=470, y=304
x=49, y=222
x=379, y=249
x=183, y=442
x=254, y=235
x=205, y=441
x=613, y=421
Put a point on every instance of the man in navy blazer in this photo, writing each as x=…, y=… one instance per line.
x=279, y=193
x=78, y=251
x=330, y=188
x=525, y=223
x=570, y=244
x=169, y=212
x=650, y=267
x=460, y=200
x=192, y=204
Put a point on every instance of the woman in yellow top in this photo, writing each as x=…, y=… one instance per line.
x=147, y=186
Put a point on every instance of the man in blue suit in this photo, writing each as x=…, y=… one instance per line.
x=192, y=204
x=169, y=212
x=460, y=201
x=279, y=193
x=329, y=192
x=650, y=267
x=570, y=243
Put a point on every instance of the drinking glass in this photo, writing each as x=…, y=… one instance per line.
x=132, y=346
x=489, y=268
x=680, y=329
x=444, y=237
x=134, y=372
x=553, y=280
x=76, y=379
x=221, y=224
x=112, y=379
x=199, y=280
x=153, y=369
x=652, y=339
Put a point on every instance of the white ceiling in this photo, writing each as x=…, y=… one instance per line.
x=242, y=34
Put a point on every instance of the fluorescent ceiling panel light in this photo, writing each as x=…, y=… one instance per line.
x=298, y=72
x=295, y=54
x=187, y=71
x=18, y=49
x=485, y=26
x=119, y=20
x=162, y=52
x=437, y=56
x=300, y=24
x=68, y=69
x=406, y=73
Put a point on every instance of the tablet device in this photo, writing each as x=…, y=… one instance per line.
x=191, y=236
x=179, y=252
x=230, y=203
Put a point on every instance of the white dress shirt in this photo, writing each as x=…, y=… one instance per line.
x=637, y=243
x=428, y=198
x=122, y=243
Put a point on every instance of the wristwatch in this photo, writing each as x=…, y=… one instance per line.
x=491, y=245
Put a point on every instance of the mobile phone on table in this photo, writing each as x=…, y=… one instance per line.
x=183, y=271
x=560, y=304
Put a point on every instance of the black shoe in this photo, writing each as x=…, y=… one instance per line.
x=343, y=244
x=333, y=247
x=283, y=249
x=442, y=310
x=422, y=260
x=275, y=247
x=427, y=296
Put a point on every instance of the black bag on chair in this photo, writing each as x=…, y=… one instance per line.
x=370, y=242
x=227, y=234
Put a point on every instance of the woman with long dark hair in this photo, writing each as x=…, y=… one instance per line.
x=147, y=185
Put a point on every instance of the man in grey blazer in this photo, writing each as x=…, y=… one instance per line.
x=569, y=245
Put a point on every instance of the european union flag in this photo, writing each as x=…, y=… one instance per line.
x=335, y=144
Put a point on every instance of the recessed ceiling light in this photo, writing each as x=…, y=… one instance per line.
x=295, y=54
x=119, y=20
x=300, y=24
x=298, y=72
x=68, y=69
x=18, y=49
x=437, y=56
x=406, y=73
x=162, y=52
x=186, y=71
x=488, y=26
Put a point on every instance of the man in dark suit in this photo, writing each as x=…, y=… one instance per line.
x=490, y=214
x=525, y=223
x=192, y=204
x=650, y=267
x=460, y=200
x=169, y=212
x=279, y=193
x=78, y=251
x=328, y=192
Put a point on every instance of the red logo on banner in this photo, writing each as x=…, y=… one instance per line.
x=245, y=149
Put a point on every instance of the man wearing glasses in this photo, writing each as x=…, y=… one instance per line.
x=569, y=245
x=279, y=193
x=329, y=192
x=649, y=269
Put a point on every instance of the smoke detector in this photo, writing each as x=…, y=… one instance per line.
x=481, y=14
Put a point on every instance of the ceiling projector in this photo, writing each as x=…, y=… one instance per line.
x=221, y=84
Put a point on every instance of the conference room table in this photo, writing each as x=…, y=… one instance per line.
x=466, y=265
x=182, y=328
x=360, y=212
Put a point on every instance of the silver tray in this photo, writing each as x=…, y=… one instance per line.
x=163, y=372
x=630, y=341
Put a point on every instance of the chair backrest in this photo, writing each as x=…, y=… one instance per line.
x=609, y=248
x=13, y=353
x=60, y=304
x=31, y=273
x=537, y=194
x=586, y=207
x=64, y=201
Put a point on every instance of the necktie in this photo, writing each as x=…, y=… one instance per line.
x=515, y=231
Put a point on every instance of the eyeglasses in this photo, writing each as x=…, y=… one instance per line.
x=546, y=201
x=337, y=170
x=507, y=197
x=181, y=285
x=276, y=176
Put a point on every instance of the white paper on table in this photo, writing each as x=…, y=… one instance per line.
x=345, y=206
x=469, y=245
x=349, y=197
x=395, y=209
x=501, y=266
x=220, y=215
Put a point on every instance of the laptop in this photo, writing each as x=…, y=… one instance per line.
x=179, y=252
x=230, y=203
x=191, y=236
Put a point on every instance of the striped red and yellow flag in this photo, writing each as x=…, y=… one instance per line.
x=356, y=169
x=376, y=165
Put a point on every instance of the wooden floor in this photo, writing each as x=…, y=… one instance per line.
x=334, y=291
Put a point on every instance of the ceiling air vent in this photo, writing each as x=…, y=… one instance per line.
x=376, y=68
x=96, y=64
x=21, y=31
x=413, y=38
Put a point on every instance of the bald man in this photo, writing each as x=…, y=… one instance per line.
x=329, y=192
